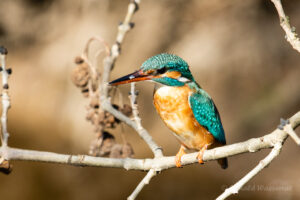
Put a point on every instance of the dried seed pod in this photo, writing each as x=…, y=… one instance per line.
x=107, y=144
x=108, y=125
x=101, y=116
x=116, y=151
x=126, y=110
x=107, y=114
x=80, y=75
x=78, y=60
x=5, y=167
x=94, y=148
x=127, y=151
x=94, y=103
x=85, y=92
x=98, y=128
x=111, y=119
x=102, y=144
x=115, y=106
x=90, y=115
x=95, y=119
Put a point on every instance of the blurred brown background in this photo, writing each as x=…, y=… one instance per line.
x=236, y=50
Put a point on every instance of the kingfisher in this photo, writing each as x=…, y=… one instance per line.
x=182, y=104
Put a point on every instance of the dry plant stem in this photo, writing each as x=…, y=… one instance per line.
x=5, y=101
x=291, y=34
x=110, y=60
x=141, y=130
x=157, y=164
x=141, y=185
x=108, y=63
x=147, y=138
x=234, y=189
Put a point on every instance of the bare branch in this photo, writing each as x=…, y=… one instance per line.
x=109, y=61
x=146, y=137
x=158, y=164
x=140, y=129
x=108, y=65
x=234, y=189
x=4, y=163
x=142, y=184
x=5, y=96
x=290, y=32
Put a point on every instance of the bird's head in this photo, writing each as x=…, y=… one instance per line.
x=167, y=69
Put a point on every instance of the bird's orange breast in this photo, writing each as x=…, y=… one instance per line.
x=172, y=104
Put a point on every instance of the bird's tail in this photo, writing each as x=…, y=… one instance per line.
x=223, y=162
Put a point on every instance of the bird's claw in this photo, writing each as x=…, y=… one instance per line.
x=200, y=154
x=178, y=161
x=180, y=153
x=200, y=158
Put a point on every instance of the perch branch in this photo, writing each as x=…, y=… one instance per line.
x=234, y=189
x=158, y=164
x=291, y=35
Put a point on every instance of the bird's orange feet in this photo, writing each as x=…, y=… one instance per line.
x=180, y=153
x=200, y=155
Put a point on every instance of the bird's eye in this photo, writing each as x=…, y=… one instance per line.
x=162, y=70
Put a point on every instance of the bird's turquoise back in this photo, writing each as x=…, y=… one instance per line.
x=207, y=114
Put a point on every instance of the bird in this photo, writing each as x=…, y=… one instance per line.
x=182, y=104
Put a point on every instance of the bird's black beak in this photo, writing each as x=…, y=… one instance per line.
x=133, y=77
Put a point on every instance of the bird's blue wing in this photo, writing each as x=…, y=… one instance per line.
x=207, y=115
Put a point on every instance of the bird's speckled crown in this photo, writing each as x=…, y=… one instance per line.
x=170, y=61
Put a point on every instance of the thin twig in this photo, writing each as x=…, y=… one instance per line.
x=5, y=165
x=140, y=129
x=290, y=32
x=110, y=60
x=234, y=189
x=146, y=137
x=142, y=184
x=5, y=97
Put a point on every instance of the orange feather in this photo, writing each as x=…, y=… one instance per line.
x=172, y=104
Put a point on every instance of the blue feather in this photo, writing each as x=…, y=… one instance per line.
x=207, y=115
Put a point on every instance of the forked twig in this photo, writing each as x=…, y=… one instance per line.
x=234, y=189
